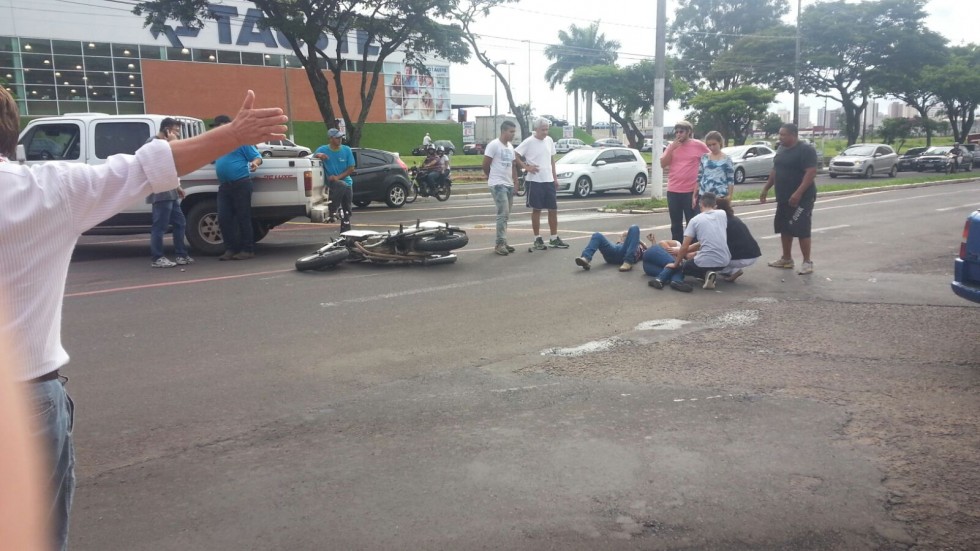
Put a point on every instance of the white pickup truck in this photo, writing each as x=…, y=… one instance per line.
x=283, y=188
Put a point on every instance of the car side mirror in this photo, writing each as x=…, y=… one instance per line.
x=749, y=155
x=600, y=163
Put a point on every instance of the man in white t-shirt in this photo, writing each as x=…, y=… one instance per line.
x=709, y=229
x=500, y=166
x=542, y=182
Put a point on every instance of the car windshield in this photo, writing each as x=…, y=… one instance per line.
x=734, y=151
x=911, y=152
x=938, y=150
x=860, y=151
x=577, y=157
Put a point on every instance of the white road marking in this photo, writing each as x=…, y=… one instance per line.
x=965, y=206
x=582, y=349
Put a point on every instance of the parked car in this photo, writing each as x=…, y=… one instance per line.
x=864, y=160
x=446, y=144
x=940, y=159
x=583, y=171
x=751, y=161
x=907, y=159
x=765, y=143
x=974, y=150
x=474, y=148
x=555, y=121
x=282, y=148
x=607, y=142
x=379, y=176
x=966, y=267
x=565, y=145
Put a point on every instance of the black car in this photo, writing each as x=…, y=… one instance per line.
x=379, y=176
x=447, y=145
x=555, y=121
x=907, y=160
x=941, y=159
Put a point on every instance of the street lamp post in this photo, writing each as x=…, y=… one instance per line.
x=496, y=83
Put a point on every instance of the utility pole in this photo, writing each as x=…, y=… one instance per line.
x=660, y=53
x=796, y=80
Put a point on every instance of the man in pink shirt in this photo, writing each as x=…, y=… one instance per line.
x=682, y=158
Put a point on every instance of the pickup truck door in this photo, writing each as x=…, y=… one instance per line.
x=53, y=141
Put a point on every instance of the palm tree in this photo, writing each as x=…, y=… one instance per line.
x=579, y=47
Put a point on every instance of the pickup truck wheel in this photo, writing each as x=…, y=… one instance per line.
x=203, y=232
x=266, y=153
x=436, y=243
x=322, y=261
x=395, y=196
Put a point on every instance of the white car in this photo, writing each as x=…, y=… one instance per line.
x=751, y=161
x=565, y=145
x=583, y=171
x=282, y=148
x=865, y=160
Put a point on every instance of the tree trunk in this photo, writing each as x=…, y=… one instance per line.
x=575, y=103
x=588, y=111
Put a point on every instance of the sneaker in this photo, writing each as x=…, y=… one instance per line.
x=732, y=277
x=681, y=286
x=656, y=283
x=583, y=262
x=163, y=262
x=626, y=267
x=244, y=255
x=228, y=255
x=782, y=263
x=557, y=243
x=184, y=260
x=709, y=280
x=539, y=243
x=501, y=250
x=509, y=248
x=806, y=268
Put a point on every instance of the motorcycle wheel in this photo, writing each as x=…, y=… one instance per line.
x=412, y=194
x=322, y=261
x=436, y=243
x=443, y=192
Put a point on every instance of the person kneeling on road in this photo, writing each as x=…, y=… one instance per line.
x=628, y=251
x=742, y=246
x=709, y=230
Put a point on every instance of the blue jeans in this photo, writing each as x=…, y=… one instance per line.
x=167, y=213
x=503, y=198
x=614, y=253
x=681, y=211
x=689, y=268
x=54, y=415
x=235, y=215
x=654, y=260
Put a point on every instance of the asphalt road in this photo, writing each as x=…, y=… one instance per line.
x=521, y=403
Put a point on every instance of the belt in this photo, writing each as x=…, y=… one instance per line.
x=50, y=376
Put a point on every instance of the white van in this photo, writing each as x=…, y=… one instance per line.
x=565, y=145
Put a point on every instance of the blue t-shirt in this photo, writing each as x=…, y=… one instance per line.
x=337, y=161
x=234, y=165
x=715, y=176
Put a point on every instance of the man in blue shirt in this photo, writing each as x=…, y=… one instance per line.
x=235, y=198
x=338, y=165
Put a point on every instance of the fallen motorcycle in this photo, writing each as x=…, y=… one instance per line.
x=441, y=190
x=425, y=243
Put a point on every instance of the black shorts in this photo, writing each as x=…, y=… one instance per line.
x=542, y=196
x=794, y=221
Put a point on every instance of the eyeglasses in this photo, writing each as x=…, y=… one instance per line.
x=676, y=130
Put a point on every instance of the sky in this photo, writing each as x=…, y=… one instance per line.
x=520, y=32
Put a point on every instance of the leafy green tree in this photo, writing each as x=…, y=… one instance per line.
x=957, y=85
x=732, y=112
x=771, y=124
x=318, y=33
x=579, y=47
x=896, y=129
x=846, y=46
x=703, y=30
x=469, y=12
x=622, y=92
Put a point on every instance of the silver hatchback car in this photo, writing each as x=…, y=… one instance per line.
x=282, y=148
x=865, y=160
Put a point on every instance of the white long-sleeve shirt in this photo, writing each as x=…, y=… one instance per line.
x=43, y=211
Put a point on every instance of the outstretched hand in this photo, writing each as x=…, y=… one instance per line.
x=252, y=126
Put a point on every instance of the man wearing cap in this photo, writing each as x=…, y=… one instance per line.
x=235, y=198
x=682, y=157
x=338, y=165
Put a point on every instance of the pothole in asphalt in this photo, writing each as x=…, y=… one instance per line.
x=735, y=318
x=587, y=348
x=661, y=325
